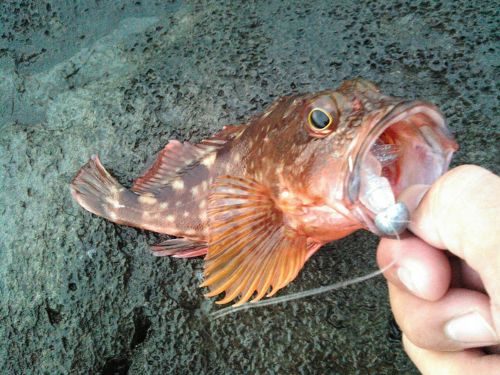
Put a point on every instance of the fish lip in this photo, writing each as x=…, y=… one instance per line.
x=403, y=110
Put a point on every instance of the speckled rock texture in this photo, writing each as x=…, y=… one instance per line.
x=80, y=295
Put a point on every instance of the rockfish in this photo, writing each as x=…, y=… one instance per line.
x=259, y=199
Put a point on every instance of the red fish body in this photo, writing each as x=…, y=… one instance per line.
x=259, y=199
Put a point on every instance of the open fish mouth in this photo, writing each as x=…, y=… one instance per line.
x=410, y=145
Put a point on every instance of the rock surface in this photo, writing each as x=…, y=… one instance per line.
x=80, y=295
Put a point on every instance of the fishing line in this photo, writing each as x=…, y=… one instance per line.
x=308, y=293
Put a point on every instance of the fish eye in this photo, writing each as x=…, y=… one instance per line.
x=319, y=119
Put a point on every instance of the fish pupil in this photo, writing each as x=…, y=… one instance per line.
x=320, y=119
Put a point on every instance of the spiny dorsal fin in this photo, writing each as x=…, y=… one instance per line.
x=250, y=250
x=177, y=157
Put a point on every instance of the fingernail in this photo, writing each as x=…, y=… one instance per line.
x=413, y=279
x=470, y=328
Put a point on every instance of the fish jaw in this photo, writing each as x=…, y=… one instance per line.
x=408, y=145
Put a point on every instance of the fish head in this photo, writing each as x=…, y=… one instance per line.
x=358, y=149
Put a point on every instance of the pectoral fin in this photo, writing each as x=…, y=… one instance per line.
x=250, y=250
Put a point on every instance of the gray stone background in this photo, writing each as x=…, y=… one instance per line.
x=80, y=295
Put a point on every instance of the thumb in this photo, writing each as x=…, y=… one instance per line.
x=461, y=213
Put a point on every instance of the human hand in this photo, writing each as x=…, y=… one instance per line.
x=447, y=303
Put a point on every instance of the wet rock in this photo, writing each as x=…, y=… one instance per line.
x=81, y=295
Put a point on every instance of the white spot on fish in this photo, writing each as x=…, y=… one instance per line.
x=285, y=194
x=195, y=190
x=147, y=199
x=209, y=160
x=185, y=214
x=164, y=205
x=202, y=204
x=178, y=184
x=170, y=218
x=113, y=202
x=112, y=215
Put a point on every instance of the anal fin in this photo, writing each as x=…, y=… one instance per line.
x=179, y=248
